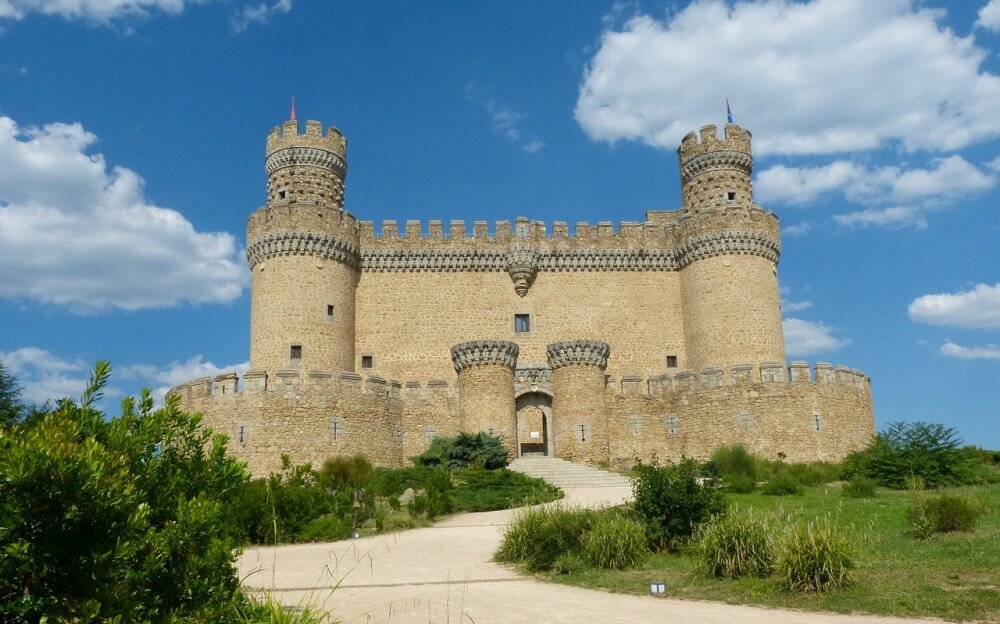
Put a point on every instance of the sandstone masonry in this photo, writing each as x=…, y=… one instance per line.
x=661, y=337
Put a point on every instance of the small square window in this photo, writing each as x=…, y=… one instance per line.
x=731, y=196
x=522, y=323
x=329, y=310
x=671, y=361
x=366, y=361
x=281, y=194
x=296, y=352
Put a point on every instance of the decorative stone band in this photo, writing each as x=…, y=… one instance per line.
x=721, y=243
x=484, y=353
x=713, y=161
x=302, y=244
x=308, y=156
x=586, y=352
x=500, y=259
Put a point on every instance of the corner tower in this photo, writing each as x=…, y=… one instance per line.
x=727, y=253
x=303, y=249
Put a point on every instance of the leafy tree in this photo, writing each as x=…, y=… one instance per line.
x=672, y=501
x=116, y=520
x=930, y=451
x=11, y=408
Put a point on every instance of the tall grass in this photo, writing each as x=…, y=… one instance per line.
x=816, y=556
x=615, y=542
x=737, y=544
x=537, y=536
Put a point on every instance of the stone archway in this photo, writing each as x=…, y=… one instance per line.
x=534, y=424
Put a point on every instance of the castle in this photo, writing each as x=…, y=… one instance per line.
x=658, y=338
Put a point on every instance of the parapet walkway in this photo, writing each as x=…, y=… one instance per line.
x=565, y=474
x=444, y=575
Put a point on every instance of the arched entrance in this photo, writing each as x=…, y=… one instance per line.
x=534, y=424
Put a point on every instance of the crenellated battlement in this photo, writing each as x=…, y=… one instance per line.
x=735, y=139
x=287, y=136
x=285, y=229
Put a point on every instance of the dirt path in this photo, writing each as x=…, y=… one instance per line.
x=444, y=574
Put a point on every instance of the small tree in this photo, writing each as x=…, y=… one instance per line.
x=673, y=501
x=930, y=451
x=11, y=408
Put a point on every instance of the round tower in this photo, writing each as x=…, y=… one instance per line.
x=727, y=254
x=579, y=418
x=486, y=388
x=303, y=250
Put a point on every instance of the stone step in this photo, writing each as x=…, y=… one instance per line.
x=566, y=474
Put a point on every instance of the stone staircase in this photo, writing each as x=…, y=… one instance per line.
x=565, y=474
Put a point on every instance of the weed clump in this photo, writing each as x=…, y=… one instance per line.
x=815, y=557
x=735, y=545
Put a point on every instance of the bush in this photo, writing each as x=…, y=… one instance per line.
x=735, y=545
x=275, y=510
x=488, y=490
x=740, y=484
x=466, y=450
x=673, y=501
x=327, y=528
x=735, y=462
x=816, y=557
x=930, y=451
x=782, y=484
x=859, y=487
x=942, y=514
x=569, y=563
x=813, y=473
x=355, y=472
x=123, y=519
x=537, y=536
x=615, y=542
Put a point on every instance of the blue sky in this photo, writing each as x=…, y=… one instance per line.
x=132, y=136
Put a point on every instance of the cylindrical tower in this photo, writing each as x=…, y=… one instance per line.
x=579, y=418
x=486, y=388
x=727, y=253
x=303, y=252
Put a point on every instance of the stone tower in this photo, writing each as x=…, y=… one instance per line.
x=303, y=250
x=727, y=254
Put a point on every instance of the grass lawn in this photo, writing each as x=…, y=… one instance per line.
x=954, y=576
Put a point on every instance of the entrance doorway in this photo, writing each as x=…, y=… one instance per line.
x=534, y=424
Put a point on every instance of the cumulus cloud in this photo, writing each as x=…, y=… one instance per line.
x=893, y=217
x=989, y=16
x=986, y=352
x=75, y=234
x=820, y=77
x=44, y=376
x=506, y=121
x=260, y=13
x=161, y=379
x=99, y=11
x=978, y=308
x=798, y=229
x=803, y=338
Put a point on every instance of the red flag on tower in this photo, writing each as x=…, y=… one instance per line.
x=292, y=118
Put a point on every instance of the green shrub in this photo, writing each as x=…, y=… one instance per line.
x=859, y=487
x=355, y=472
x=275, y=510
x=537, y=536
x=327, y=528
x=740, y=484
x=569, y=563
x=735, y=461
x=735, y=545
x=814, y=473
x=672, y=501
x=816, y=556
x=930, y=451
x=782, y=484
x=487, y=490
x=615, y=542
x=942, y=514
x=123, y=519
x=466, y=450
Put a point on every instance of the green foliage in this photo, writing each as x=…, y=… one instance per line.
x=673, y=500
x=537, y=536
x=275, y=510
x=267, y=610
x=736, y=464
x=816, y=556
x=116, y=519
x=859, y=487
x=12, y=410
x=811, y=473
x=943, y=513
x=615, y=542
x=930, y=451
x=782, y=484
x=355, y=472
x=569, y=563
x=327, y=528
x=487, y=490
x=740, y=484
x=466, y=450
x=735, y=545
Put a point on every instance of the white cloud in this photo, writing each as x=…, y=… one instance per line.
x=798, y=229
x=99, y=11
x=78, y=235
x=978, y=308
x=506, y=121
x=819, y=77
x=947, y=179
x=260, y=13
x=894, y=217
x=795, y=306
x=804, y=338
x=986, y=352
x=989, y=16
x=44, y=376
x=161, y=379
